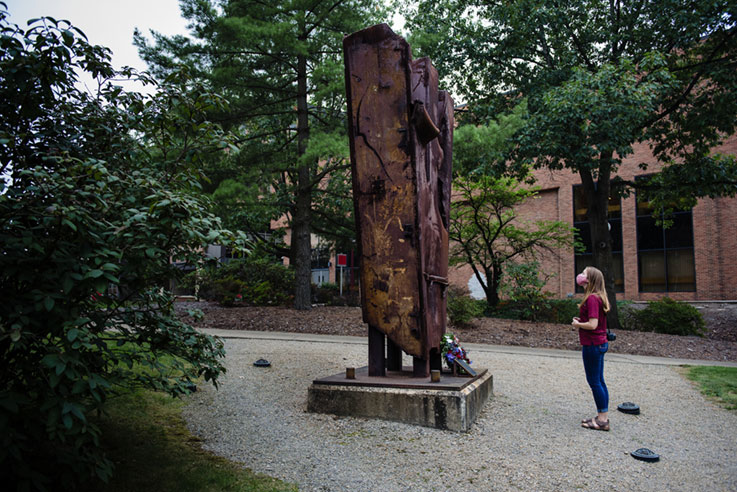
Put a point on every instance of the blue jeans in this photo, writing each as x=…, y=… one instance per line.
x=593, y=364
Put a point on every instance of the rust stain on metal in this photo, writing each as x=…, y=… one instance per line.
x=401, y=129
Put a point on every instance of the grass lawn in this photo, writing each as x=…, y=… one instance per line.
x=718, y=383
x=145, y=436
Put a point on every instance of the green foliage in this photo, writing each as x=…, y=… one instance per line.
x=598, y=78
x=664, y=316
x=524, y=288
x=146, y=436
x=562, y=310
x=462, y=308
x=101, y=193
x=719, y=383
x=280, y=63
x=484, y=148
x=486, y=234
x=329, y=293
x=255, y=280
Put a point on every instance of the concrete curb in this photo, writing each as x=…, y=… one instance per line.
x=472, y=347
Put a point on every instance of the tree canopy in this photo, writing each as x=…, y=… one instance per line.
x=100, y=194
x=280, y=65
x=599, y=77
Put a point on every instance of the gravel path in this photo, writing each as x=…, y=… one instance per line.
x=527, y=438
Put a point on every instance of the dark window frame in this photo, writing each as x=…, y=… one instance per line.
x=648, y=215
x=615, y=223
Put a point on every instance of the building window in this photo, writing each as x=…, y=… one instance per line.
x=581, y=224
x=665, y=257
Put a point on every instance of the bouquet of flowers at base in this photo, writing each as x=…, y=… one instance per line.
x=451, y=349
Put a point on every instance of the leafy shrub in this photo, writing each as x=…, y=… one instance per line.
x=329, y=293
x=665, y=316
x=562, y=311
x=462, y=308
x=227, y=291
x=101, y=192
x=256, y=280
x=325, y=292
x=524, y=288
x=547, y=310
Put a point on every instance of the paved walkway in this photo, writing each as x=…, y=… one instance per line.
x=475, y=347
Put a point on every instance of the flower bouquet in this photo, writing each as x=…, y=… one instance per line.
x=451, y=350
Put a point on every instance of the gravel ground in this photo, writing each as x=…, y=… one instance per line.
x=527, y=438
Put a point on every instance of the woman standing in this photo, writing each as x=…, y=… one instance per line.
x=592, y=331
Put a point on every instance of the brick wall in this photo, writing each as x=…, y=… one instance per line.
x=714, y=229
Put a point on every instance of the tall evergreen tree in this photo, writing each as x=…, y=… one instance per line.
x=280, y=66
x=600, y=76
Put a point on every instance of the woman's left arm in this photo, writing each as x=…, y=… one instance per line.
x=591, y=307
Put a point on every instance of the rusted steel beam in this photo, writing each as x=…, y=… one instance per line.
x=400, y=131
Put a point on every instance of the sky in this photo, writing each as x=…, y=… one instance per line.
x=107, y=22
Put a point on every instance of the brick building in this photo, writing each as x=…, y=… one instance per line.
x=694, y=260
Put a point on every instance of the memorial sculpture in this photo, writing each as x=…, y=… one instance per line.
x=401, y=138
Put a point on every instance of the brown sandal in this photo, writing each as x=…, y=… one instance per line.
x=595, y=424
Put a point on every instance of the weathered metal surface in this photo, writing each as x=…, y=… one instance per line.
x=401, y=136
x=432, y=158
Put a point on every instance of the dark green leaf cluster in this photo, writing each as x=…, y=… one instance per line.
x=256, y=280
x=280, y=65
x=598, y=77
x=462, y=308
x=100, y=194
x=664, y=316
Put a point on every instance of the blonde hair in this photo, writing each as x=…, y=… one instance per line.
x=595, y=286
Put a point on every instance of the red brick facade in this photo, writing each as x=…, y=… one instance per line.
x=714, y=230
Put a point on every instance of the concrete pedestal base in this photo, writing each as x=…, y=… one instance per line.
x=454, y=403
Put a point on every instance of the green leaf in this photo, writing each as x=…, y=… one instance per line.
x=72, y=334
x=67, y=284
x=49, y=303
x=69, y=224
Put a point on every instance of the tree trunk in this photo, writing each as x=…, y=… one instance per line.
x=301, y=247
x=493, y=279
x=597, y=196
x=490, y=286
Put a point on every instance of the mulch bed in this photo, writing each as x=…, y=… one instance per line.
x=719, y=344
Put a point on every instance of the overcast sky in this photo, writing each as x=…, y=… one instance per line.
x=107, y=22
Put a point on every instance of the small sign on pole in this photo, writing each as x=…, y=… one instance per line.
x=342, y=261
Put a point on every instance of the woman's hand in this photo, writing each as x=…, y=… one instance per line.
x=576, y=322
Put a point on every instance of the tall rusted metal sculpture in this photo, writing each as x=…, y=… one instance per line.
x=401, y=138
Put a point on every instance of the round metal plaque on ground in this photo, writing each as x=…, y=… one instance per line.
x=629, y=407
x=262, y=363
x=644, y=454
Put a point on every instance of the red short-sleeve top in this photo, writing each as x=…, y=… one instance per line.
x=592, y=308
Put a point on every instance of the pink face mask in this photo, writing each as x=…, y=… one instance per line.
x=581, y=279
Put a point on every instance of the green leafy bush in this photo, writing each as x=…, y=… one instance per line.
x=329, y=293
x=227, y=291
x=100, y=191
x=462, y=308
x=664, y=316
x=255, y=280
x=562, y=311
x=524, y=289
